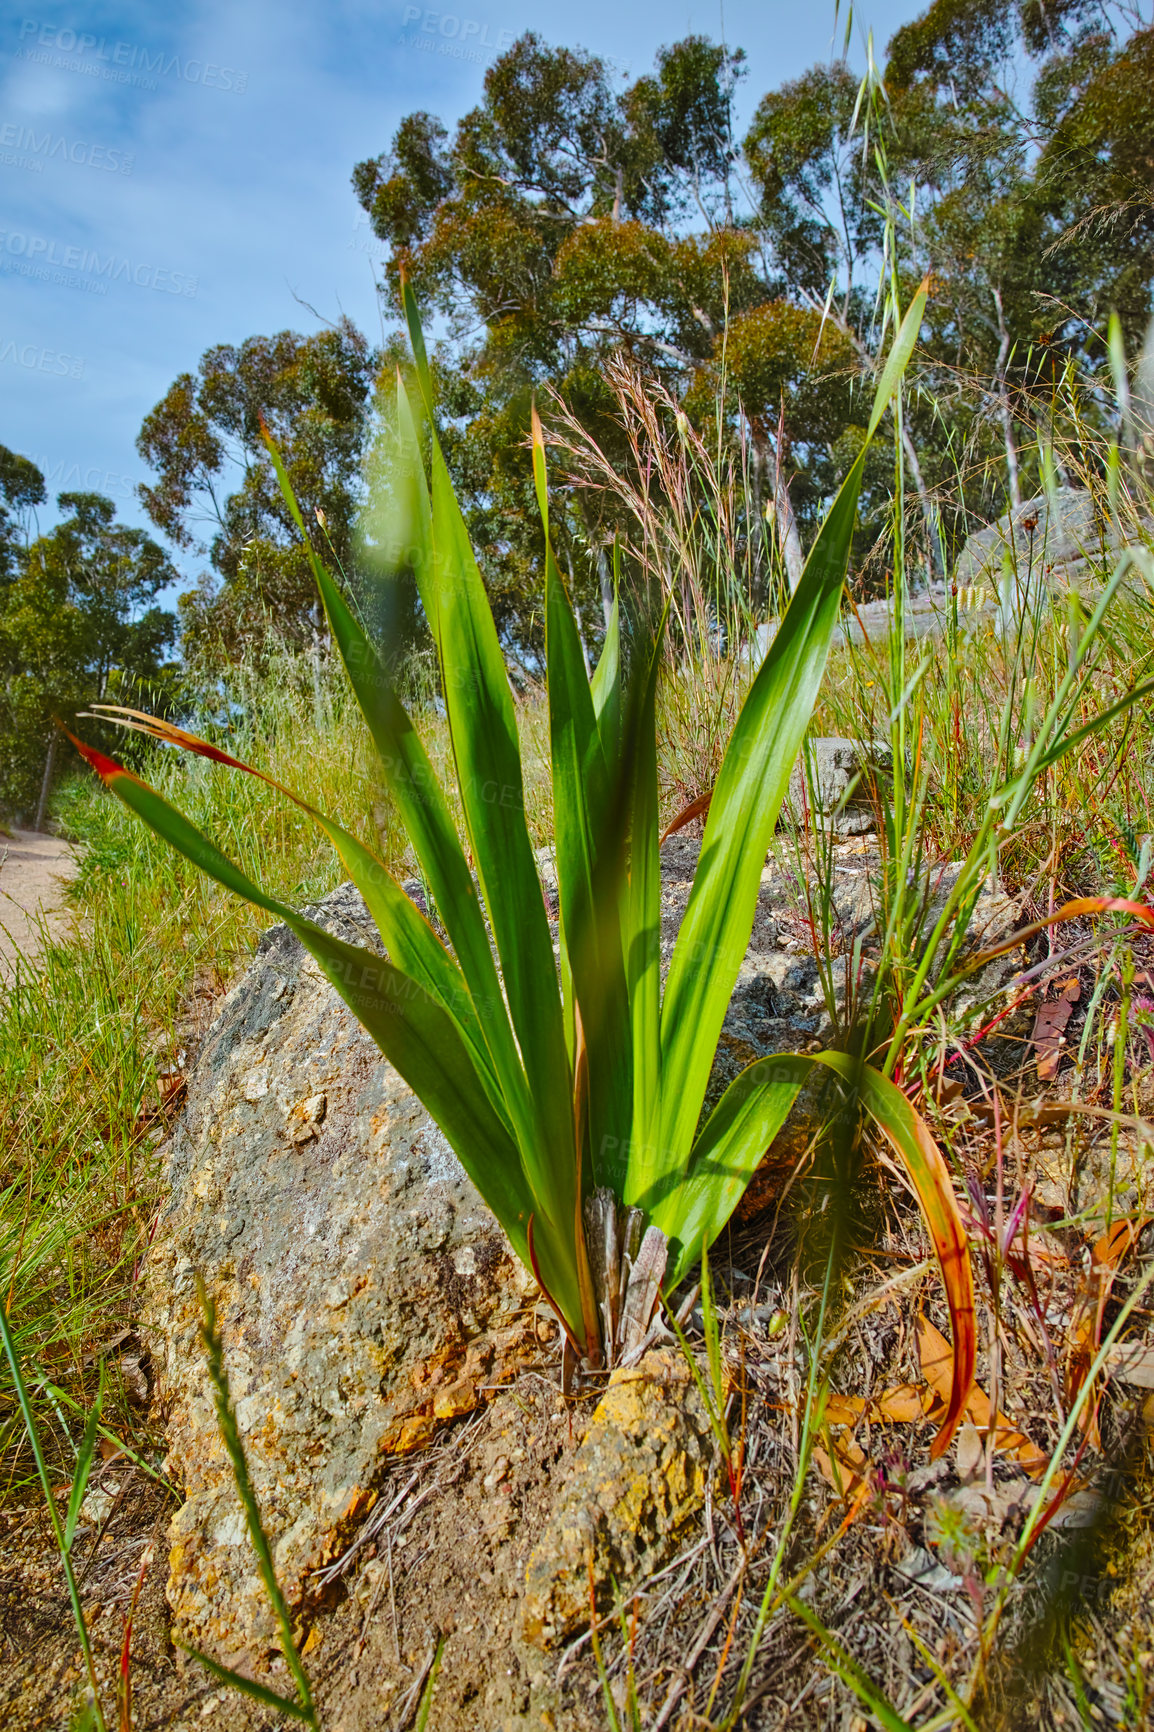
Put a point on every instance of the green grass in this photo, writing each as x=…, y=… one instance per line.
x=85, y=1038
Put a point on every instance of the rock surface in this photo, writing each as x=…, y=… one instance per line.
x=636, y=1478
x=1061, y=532
x=837, y=778
x=364, y=1290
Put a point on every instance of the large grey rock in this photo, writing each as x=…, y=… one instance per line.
x=365, y=1292
x=1067, y=541
x=363, y=1288
x=1057, y=532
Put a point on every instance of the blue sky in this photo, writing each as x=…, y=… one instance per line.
x=176, y=176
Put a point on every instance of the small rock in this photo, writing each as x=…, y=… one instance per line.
x=98, y=1502
x=134, y=1372
x=636, y=1477
x=369, y=1583
x=842, y=775
x=921, y=1566
x=496, y=1473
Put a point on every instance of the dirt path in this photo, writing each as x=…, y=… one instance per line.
x=33, y=872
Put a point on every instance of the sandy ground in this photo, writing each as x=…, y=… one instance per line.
x=33, y=872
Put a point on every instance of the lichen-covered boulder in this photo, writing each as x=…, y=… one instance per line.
x=364, y=1291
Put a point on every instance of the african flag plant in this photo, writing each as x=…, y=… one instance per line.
x=572, y=1090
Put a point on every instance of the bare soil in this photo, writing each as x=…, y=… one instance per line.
x=34, y=870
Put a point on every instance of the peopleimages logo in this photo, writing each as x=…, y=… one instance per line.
x=78, y=268
x=40, y=360
x=63, y=476
x=449, y=33
x=119, y=62
x=47, y=147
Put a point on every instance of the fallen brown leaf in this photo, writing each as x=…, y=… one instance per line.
x=1049, y=1033
x=937, y=1369
x=1131, y=1362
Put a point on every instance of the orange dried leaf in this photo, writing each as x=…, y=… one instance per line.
x=844, y=1467
x=1049, y=1035
x=937, y=1363
x=1086, y=1331
x=1110, y=1249
x=843, y=1409
x=904, y=1405
x=696, y=809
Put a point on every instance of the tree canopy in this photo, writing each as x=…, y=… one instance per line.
x=216, y=492
x=570, y=216
x=79, y=622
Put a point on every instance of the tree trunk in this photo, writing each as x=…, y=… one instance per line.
x=785, y=523
x=605, y=579
x=46, y=783
x=1013, y=480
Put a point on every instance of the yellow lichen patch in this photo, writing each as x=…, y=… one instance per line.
x=638, y=1474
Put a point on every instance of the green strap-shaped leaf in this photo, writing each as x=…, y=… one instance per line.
x=588, y=815
x=416, y=1035
x=539, y=1115
x=415, y=948
x=750, y=788
x=731, y=1147
x=424, y=810
x=899, y=356
x=642, y=940
x=606, y=683
x=414, y=785
x=411, y=508
x=408, y=938
x=483, y=731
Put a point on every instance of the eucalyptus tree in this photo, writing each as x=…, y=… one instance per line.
x=21, y=490
x=564, y=219
x=1026, y=129
x=215, y=493
x=80, y=621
